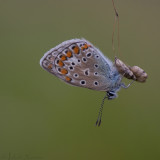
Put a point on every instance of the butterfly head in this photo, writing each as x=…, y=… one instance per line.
x=111, y=95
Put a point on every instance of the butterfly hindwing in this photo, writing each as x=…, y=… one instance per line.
x=79, y=63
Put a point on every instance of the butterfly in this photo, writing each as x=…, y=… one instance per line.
x=80, y=63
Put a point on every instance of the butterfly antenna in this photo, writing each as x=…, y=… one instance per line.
x=116, y=18
x=98, y=122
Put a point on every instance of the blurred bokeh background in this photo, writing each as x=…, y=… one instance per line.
x=43, y=118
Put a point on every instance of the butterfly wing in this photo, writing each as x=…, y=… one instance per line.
x=79, y=63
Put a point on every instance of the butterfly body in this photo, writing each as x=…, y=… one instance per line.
x=79, y=63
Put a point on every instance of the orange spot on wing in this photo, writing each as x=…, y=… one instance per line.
x=76, y=50
x=85, y=46
x=69, y=54
x=82, y=48
x=64, y=71
x=63, y=57
x=68, y=79
x=50, y=66
x=60, y=63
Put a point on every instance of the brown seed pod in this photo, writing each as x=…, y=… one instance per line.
x=140, y=74
x=136, y=73
x=123, y=69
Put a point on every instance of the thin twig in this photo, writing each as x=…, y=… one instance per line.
x=114, y=26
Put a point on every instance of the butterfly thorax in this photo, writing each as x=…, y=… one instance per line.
x=115, y=83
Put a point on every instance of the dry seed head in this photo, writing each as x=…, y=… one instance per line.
x=123, y=69
x=140, y=74
x=136, y=73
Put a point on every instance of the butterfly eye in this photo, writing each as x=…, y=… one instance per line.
x=111, y=93
x=83, y=82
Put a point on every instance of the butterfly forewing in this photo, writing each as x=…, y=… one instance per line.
x=79, y=63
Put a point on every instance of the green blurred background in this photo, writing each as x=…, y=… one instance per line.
x=43, y=118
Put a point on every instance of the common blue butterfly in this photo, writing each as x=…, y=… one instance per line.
x=79, y=63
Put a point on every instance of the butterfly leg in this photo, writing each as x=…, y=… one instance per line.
x=124, y=86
